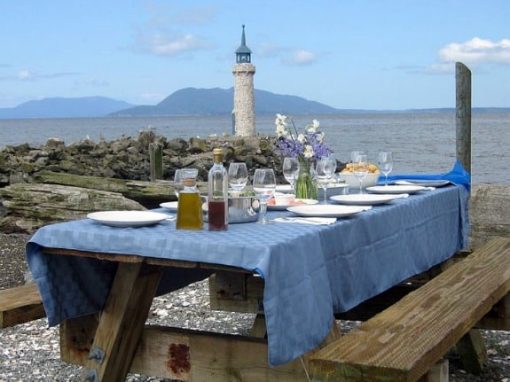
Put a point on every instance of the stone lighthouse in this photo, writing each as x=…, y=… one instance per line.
x=244, y=98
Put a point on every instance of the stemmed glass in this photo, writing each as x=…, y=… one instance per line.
x=290, y=170
x=360, y=166
x=325, y=169
x=355, y=154
x=178, y=186
x=237, y=176
x=264, y=185
x=385, y=160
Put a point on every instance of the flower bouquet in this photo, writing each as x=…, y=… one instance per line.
x=306, y=146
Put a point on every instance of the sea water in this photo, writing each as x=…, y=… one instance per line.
x=421, y=141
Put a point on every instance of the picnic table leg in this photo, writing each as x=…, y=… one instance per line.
x=122, y=321
x=259, y=326
x=472, y=351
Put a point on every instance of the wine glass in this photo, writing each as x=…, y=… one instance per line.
x=355, y=154
x=385, y=161
x=325, y=169
x=290, y=170
x=360, y=166
x=178, y=186
x=264, y=185
x=237, y=176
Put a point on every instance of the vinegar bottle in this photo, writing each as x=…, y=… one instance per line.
x=217, y=201
x=189, y=206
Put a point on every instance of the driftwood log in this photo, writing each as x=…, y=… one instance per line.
x=30, y=206
x=149, y=194
x=63, y=196
x=489, y=212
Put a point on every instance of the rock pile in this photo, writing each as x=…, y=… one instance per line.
x=55, y=182
x=128, y=158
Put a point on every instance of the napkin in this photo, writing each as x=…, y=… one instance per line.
x=457, y=175
x=305, y=220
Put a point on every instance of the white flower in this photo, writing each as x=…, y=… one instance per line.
x=281, y=131
x=281, y=119
x=312, y=128
x=308, y=152
x=301, y=138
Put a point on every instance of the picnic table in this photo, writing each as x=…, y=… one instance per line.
x=309, y=272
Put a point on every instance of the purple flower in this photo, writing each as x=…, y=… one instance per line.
x=309, y=144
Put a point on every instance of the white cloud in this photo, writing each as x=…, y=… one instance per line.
x=164, y=46
x=26, y=75
x=477, y=51
x=302, y=57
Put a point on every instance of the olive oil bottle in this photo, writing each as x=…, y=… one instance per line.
x=189, y=206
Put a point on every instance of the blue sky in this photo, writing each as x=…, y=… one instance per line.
x=386, y=54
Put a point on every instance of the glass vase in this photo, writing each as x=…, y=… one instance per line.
x=305, y=186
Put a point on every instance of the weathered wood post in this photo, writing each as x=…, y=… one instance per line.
x=463, y=114
x=156, y=161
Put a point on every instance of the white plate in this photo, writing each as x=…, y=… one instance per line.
x=366, y=199
x=127, y=218
x=172, y=206
x=396, y=189
x=425, y=183
x=327, y=210
x=286, y=188
x=283, y=207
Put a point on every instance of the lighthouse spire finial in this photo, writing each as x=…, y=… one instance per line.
x=243, y=53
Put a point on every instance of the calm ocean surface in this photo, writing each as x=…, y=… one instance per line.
x=421, y=142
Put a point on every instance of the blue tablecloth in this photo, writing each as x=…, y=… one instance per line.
x=310, y=271
x=457, y=175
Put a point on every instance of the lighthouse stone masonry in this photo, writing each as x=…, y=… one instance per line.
x=244, y=98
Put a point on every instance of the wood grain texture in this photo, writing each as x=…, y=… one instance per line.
x=122, y=319
x=489, y=212
x=472, y=352
x=236, y=292
x=189, y=355
x=19, y=305
x=406, y=340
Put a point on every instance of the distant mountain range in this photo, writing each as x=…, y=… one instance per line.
x=188, y=101
x=65, y=108
x=217, y=101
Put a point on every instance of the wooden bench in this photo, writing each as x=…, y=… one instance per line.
x=406, y=340
x=20, y=304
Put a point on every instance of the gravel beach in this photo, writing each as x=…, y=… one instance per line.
x=30, y=352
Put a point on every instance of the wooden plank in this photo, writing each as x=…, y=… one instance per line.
x=185, y=354
x=499, y=316
x=472, y=352
x=236, y=293
x=406, y=340
x=463, y=114
x=189, y=355
x=122, y=258
x=155, y=161
x=258, y=328
x=20, y=304
x=122, y=320
x=438, y=373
